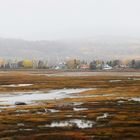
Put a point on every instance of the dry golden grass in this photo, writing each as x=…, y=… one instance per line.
x=123, y=122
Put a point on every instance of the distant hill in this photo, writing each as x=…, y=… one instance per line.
x=96, y=48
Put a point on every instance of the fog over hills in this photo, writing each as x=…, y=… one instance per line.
x=87, y=49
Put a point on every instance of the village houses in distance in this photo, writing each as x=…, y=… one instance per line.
x=71, y=64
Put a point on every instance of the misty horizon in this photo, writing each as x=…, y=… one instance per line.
x=104, y=48
x=82, y=29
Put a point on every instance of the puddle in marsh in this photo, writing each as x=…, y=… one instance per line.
x=2, y=106
x=17, y=85
x=14, y=131
x=47, y=111
x=79, y=109
x=135, y=79
x=136, y=99
x=52, y=110
x=30, y=97
x=22, y=111
x=72, y=123
x=20, y=124
x=124, y=99
x=105, y=115
x=27, y=129
x=112, y=81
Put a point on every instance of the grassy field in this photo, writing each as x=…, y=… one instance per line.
x=112, y=107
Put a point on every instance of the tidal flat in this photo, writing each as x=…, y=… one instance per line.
x=69, y=106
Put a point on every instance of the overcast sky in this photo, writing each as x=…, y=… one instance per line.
x=64, y=19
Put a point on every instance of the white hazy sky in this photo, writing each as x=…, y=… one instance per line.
x=60, y=19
